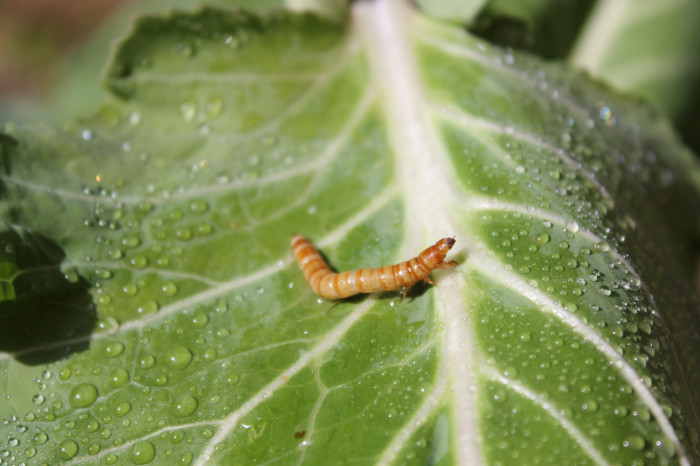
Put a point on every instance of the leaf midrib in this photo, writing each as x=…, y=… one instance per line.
x=426, y=184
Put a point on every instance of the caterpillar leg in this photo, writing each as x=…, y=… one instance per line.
x=446, y=265
x=407, y=289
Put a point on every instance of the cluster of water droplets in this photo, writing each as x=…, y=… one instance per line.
x=589, y=281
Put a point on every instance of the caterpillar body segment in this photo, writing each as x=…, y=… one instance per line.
x=330, y=285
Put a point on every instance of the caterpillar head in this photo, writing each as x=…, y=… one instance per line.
x=444, y=245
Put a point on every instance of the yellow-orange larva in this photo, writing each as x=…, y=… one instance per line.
x=330, y=285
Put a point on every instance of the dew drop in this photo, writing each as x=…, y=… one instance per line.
x=147, y=361
x=122, y=409
x=68, y=449
x=634, y=442
x=188, y=110
x=221, y=306
x=204, y=229
x=138, y=262
x=200, y=320
x=108, y=325
x=130, y=289
x=118, y=378
x=82, y=396
x=103, y=273
x=134, y=118
x=169, y=289
x=602, y=246
x=163, y=261
x=186, y=458
x=111, y=458
x=214, y=106
x=183, y=234
x=130, y=241
x=177, y=436
x=543, y=238
x=184, y=405
x=199, y=206
x=143, y=452
x=115, y=254
x=112, y=350
x=160, y=380
x=148, y=307
x=666, y=447
x=643, y=414
x=590, y=406
x=40, y=438
x=178, y=357
x=104, y=300
x=92, y=426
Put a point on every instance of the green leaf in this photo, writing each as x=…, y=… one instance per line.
x=546, y=27
x=452, y=10
x=647, y=48
x=568, y=333
x=79, y=87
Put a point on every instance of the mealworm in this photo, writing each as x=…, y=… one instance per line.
x=330, y=285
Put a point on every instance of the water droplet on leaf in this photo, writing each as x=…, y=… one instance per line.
x=82, y=396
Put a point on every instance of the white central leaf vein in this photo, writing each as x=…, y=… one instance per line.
x=427, y=186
